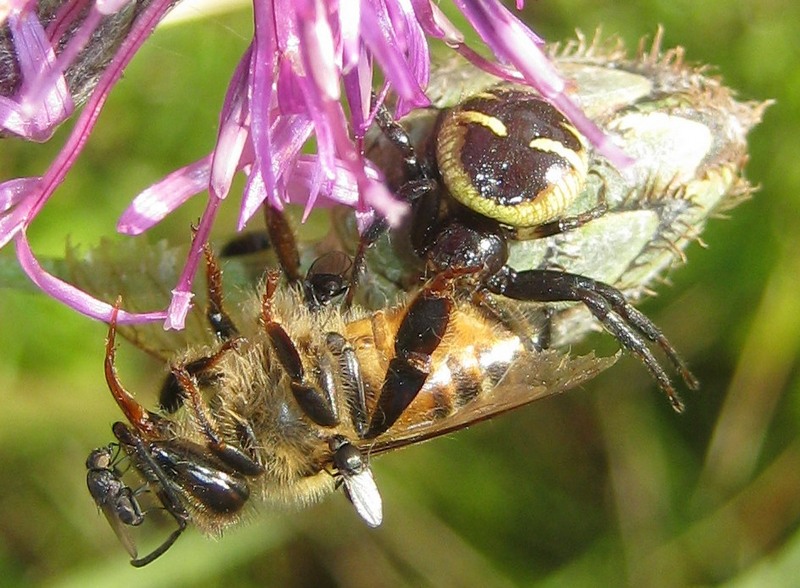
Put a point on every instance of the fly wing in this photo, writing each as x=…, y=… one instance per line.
x=533, y=376
x=120, y=530
x=118, y=503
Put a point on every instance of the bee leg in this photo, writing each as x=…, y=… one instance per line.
x=171, y=394
x=182, y=382
x=316, y=399
x=248, y=440
x=246, y=243
x=545, y=335
x=218, y=318
x=148, y=423
x=350, y=373
x=419, y=334
x=136, y=447
x=628, y=325
x=283, y=241
x=232, y=456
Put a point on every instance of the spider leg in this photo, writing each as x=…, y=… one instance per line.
x=608, y=305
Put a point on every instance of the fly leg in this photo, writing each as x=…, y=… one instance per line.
x=145, y=426
x=137, y=448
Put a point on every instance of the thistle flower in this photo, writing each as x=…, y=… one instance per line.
x=305, y=58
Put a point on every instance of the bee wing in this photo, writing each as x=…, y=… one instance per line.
x=532, y=377
x=363, y=493
x=144, y=275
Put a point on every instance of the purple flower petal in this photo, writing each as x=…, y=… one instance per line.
x=435, y=23
x=358, y=89
x=378, y=34
x=43, y=100
x=13, y=222
x=289, y=134
x=179, y=307
x=233, y=130
x=349, y=24
x=153, y=204
x=14, y=191
x=182, y=294
x=514, y=43
x=343, y=191
x=69, y=294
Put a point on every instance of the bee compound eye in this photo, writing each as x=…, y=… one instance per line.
x=511, y=156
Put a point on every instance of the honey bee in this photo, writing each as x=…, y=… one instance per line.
x=297, y=407
x=292, y=398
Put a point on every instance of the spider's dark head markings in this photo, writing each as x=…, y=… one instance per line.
x=509, y=155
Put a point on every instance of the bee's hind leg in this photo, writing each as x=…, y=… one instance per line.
x=230, y=454
x=420, y=332
x=182, y=386
x=283, y=241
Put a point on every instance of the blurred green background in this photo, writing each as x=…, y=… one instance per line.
x=602, y=486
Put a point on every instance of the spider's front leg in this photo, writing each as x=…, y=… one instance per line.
x=421, y=191
x=608, y=305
